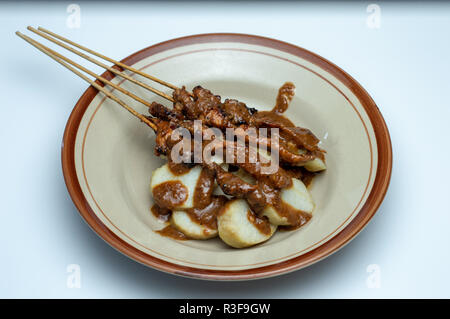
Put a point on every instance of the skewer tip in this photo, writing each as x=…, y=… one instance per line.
x=21, y=35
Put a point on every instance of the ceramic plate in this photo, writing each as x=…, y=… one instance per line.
x=108, y=156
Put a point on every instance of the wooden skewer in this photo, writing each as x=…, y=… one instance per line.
x=91, y=82
x=66, y=62
x=122, y=65
x=120, y=73
x=98, y=77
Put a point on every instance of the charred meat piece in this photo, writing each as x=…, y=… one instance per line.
x=204, y=105
x=237, y=112
x=164, y=113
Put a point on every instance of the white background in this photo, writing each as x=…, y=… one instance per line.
x=404, y=65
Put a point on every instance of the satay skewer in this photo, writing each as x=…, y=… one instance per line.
x=58, y=57
x=91, y=82
x=55, y=57
x=98, y=77
x=111, y=69
x=254, y=194
x=66, y=62
x=122, y=65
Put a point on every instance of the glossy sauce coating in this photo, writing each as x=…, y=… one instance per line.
x=302, y=174
x=295, y=217
x=171, y=232
x=267, y=195
x=178, y=168
x=207, y=216
x=162, y=214
x=285, y=95
x=170, y=194
x=204, y=188
x=262, y=224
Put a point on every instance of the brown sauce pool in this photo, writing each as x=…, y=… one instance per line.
x=164, y=215
x=170, y=194
x=171, y=232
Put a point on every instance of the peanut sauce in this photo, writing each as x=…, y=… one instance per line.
x=262, y=224
x=207, y=216
x=307, y=178
x=267, y=195
x=170, y=194
x=302, y=174
x=205, y=207
x=302, y=137
x=279, y=178
x=271, y=119
x=296, y=218
x=265, y=191
x=231, y=184
x=204, y=188
x=162, y=214
x=171, y=232
x=285, y=95
x=262, y=196
x=178, y=168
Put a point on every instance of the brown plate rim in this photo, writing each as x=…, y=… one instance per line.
x=369, y=208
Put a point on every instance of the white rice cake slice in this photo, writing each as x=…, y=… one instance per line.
x=183, y=223
x=189, y=180
x=235, y=228
x=297, y=196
